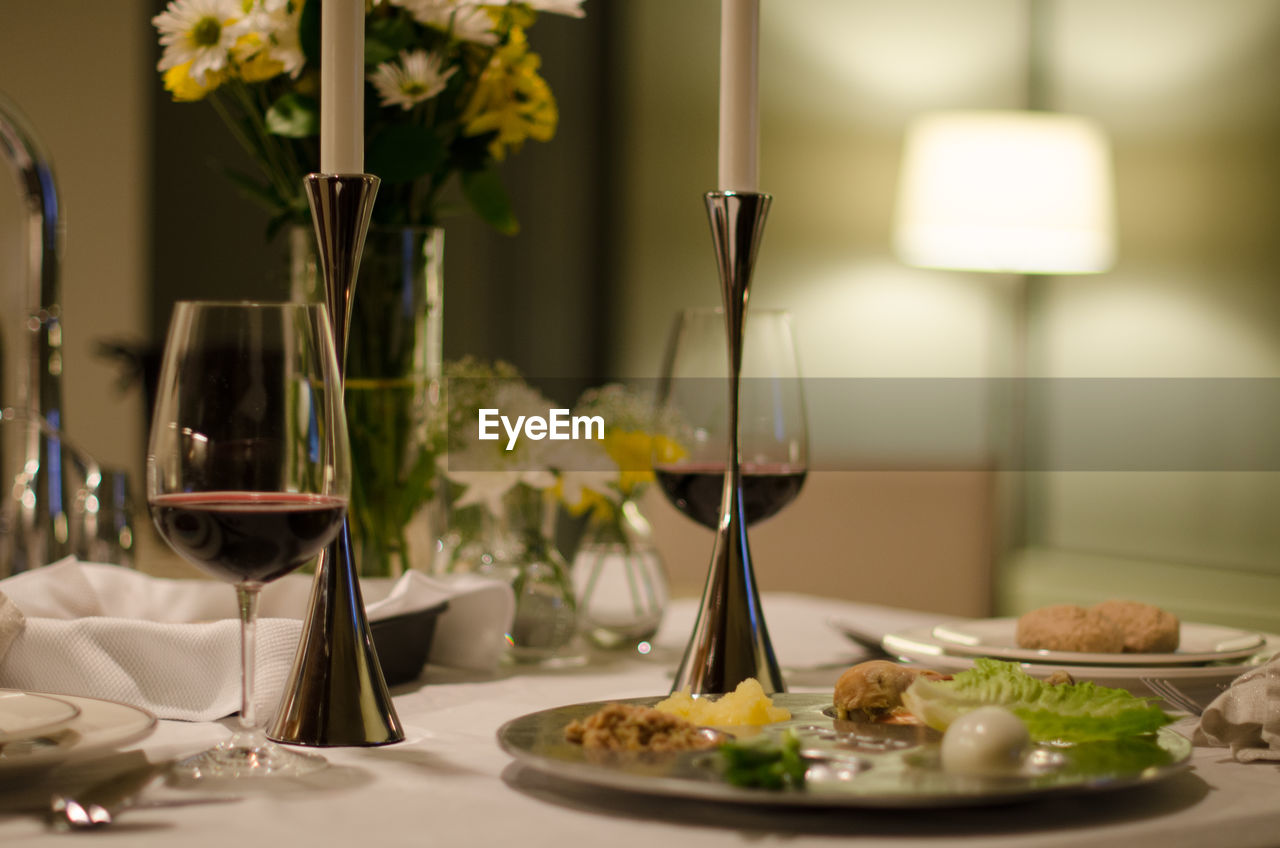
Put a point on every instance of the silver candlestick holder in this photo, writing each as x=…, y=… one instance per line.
x=730, y=641
x=336, y=694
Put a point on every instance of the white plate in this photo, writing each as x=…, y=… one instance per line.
x=921, y=646
x=27, y=714
x=997, y=637
x=101, y=725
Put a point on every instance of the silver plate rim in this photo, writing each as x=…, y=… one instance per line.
x=674, y=787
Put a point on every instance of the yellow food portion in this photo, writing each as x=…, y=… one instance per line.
x=748, y=704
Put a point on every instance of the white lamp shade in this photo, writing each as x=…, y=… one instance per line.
x=1022, y=192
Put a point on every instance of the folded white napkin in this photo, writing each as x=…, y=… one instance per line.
x=173, y=646
x=1246, y=717
x=11, y=621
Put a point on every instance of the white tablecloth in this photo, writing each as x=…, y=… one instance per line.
x=450, y=785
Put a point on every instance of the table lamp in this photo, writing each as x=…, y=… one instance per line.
x=1024, y=192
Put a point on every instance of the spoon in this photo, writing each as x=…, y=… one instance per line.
x=99, y=805
x=70, y=814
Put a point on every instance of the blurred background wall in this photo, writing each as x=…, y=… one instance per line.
x=615, y=240
x=80, y=74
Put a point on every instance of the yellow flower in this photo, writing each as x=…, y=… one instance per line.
x=182, y=85
x=254, y=62
x=666, y=450
x=511, y=99
x=589, y=500
x=635, y=453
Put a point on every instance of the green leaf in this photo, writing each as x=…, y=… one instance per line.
x=402, y=153
x=294, y=116
x=416, y=487
x=484, y=191
x=1128, y=755
x=309, y=33
x=254, y=190
x=1071, y=712
x=385, y=37
x=376, y=52
x=1050, y=725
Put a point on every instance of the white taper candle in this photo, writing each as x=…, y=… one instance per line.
x=739, y=98
x=342, y=86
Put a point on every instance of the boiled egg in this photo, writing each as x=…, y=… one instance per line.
x=985, y=741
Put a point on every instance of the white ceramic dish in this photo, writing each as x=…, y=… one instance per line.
x=997, y=637
x=100, y=726
x=921, y=646
x=27, y=714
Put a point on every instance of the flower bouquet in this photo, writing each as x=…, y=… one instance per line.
x=453, y=90
x=455, y=87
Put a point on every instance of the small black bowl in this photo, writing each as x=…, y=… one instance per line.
x=403, y=642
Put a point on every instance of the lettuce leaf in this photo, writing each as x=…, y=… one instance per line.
x=1077, y=712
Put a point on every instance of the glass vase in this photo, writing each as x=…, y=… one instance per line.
x=619, y=580
x=470, y=539
x=516, y=546
x=393, y=373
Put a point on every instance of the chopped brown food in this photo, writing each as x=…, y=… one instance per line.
x=1146, y=629
x=1059, y=678
x=623, y=727
x=873, y=690
x=1067, y=627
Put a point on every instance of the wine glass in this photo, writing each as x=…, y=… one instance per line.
x=693, y=400
x=248, y=473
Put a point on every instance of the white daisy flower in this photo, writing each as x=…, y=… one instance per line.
x=201, y=32
x=572, y=8
x=484, y=479
x=466, y=20
x=414, y=78
x=275, y=22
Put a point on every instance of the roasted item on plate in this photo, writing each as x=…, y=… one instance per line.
x=624, y=727
x=1067, y=627
x=873, y=690
x=1147, y=629
x=1110, y=627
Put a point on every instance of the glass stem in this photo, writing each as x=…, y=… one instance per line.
x=247, y=595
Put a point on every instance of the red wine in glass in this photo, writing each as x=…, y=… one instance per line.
x=692, y=403
x=249, y=537
x=248, y=476
x=696, y=490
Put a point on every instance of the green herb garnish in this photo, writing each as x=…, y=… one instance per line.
x=764, y=763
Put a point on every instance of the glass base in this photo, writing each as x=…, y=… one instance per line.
x=569, y=656
x=620, y=637
x=246, y=756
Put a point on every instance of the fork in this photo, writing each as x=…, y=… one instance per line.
x=1172, y=695
x=870, y=643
